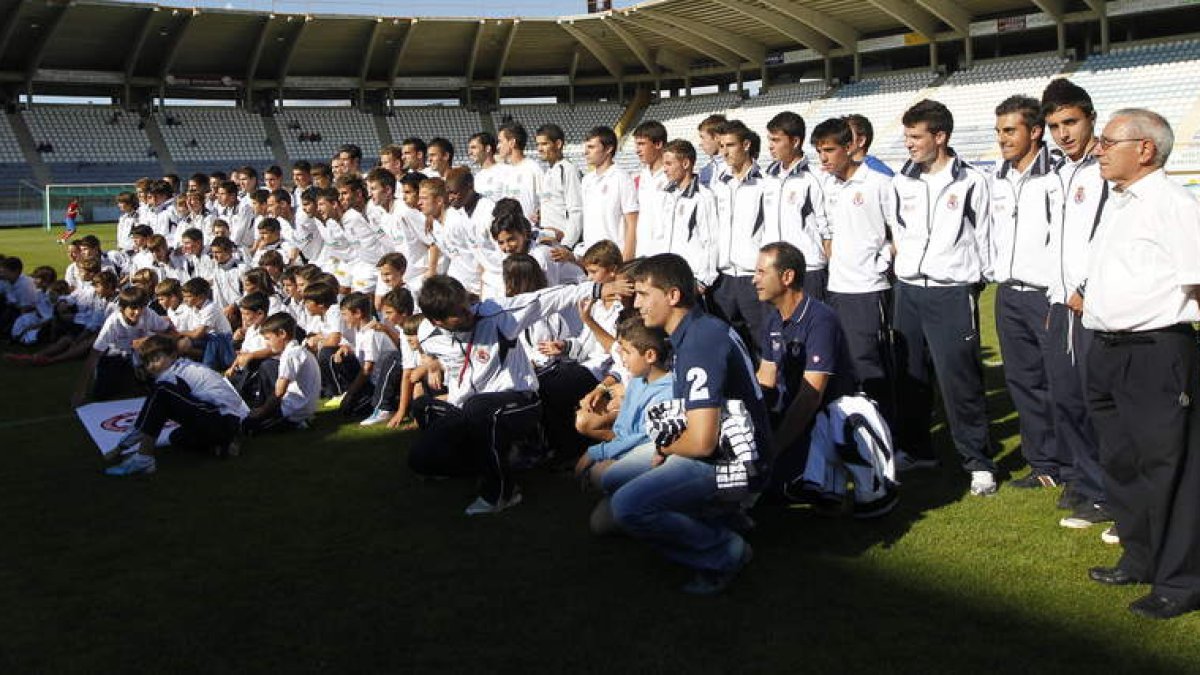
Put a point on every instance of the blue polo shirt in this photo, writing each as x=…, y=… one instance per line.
x=712, y=366
x=810, y=340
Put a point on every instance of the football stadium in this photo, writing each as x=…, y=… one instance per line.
x=582, y=336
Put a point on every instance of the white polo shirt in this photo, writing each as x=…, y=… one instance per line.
x=299, y=367
x=607, y=198
x=522, y=184
x=492, y=182
x=116, y=336
x=1144, y=262
x=561, y=201
x=651, y=192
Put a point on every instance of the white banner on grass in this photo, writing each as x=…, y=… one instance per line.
x=107, y=421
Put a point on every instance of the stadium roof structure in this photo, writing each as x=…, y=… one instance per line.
x=67, y=46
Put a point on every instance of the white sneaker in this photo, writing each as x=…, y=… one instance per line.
x=481, y=506
x=334, y=402
x=906, y=462
x=983, y=483
x=1110, y=536
x=377, y=417
x=133, y=464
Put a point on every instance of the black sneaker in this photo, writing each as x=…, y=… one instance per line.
x=1085, y=516
x=1034, y=481
x=1069, y=499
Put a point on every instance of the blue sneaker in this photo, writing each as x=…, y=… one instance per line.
x=134, y=464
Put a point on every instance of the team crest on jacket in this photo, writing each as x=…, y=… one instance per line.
x=792, y=196
x=858, y=199
x=1080, y=195
x=952, y=202
x=482, y=355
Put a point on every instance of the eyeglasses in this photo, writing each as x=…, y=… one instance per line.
x=1108, y=143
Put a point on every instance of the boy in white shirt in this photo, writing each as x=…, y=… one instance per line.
x=492, y=176
x=370, y=364
x=206, y=334
x=290, y=379
x=525, y=174
x=650, y=137
x=560, y=191
x=111, y=362
x=325, y=331
x=610, y=206
x=252, y=348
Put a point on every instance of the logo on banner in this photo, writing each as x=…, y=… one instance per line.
x=122, y=422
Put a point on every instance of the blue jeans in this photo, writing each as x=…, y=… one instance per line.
x=673, y=506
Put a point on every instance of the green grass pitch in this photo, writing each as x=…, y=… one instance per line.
x=320, y=552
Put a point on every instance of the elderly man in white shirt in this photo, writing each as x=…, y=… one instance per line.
x=1144, y=368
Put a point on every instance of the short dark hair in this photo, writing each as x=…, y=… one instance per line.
x=788, y=257
x=644, y=338
x=862, y=127
x=198, y=286
x=280, y=322
x=509, y=220
x=254, y=302
x=446, y=146
x=193, y=233
x=710, y=124
x=551, y=131
x=170, y=287
x=606, y=136
x=412, y=180
x=282, y=196
x=260, y=196
x=1029, y=108
x=260, y=278
x=12, y=264
x=442, y=296
x=135, y=231
x=787, y=123
x=682, y=149
x=156, y=347
x=651, y=130
x=393, y=259
x=274, y=170
x=522, y=274
x=301, y=166
x=351, y=149
x=269, y=224
x=836, y=129
x=417, y=143
x=666, y=271
x=271, y=259
x=399, y=299
x=383, y=177
x=358, y=302
x=1063, y=93
x=485, y=139
x=224, y=243
x=515, y=130
x=133, y=296
x=604, y=253
x=936, y=116
x=735, y=128
x=321, y=293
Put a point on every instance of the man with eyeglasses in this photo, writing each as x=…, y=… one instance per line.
x=1143, y=372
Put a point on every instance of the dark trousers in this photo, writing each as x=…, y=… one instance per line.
x=937, y=331
x=115, y=376
x=866, y=319
x=1142, y=393
x=816, y=284
x=265, y=375
x=1067, y=347
x=474, y=439
x=336, y=376
x=250, y=385
x=561, y=387
x=1021, y=326
x=201, y=424
x=735, y=300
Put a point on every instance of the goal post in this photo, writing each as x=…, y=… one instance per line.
x=97, y=201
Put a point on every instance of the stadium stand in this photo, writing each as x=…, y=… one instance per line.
x=456, y=125
x=333, y=126
x=1161, y=76
x=973, y=94
x=575, y=121
x=72, y=134
x=204, y=135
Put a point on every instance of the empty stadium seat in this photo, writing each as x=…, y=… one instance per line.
x=218, y=134
x=454, y=124
x=87, y=133
x=336, y=127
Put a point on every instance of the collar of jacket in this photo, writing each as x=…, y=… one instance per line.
x=688, y=192
x=1043, y=164
x=755, y=174
x=776, y=168
x=957, y=168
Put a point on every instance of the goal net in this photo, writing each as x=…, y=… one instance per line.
x=97, y=202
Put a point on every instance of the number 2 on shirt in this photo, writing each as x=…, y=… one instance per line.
x=699, y=379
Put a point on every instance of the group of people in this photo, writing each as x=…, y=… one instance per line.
x=692, y=341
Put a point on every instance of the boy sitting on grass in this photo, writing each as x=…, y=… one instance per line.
x=252, y=348
x=366, y=363
x=112, y=362
x=647, y=355
x=290, y=380
x=324, y=328
x=205, y=334
x=206, y=407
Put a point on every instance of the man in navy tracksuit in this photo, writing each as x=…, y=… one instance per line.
x=1025, y=191
x=940, y=224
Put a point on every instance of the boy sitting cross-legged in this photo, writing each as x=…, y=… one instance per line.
x=647, y=355
x=366, y=363
x=290, y=380
x=206, y=407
